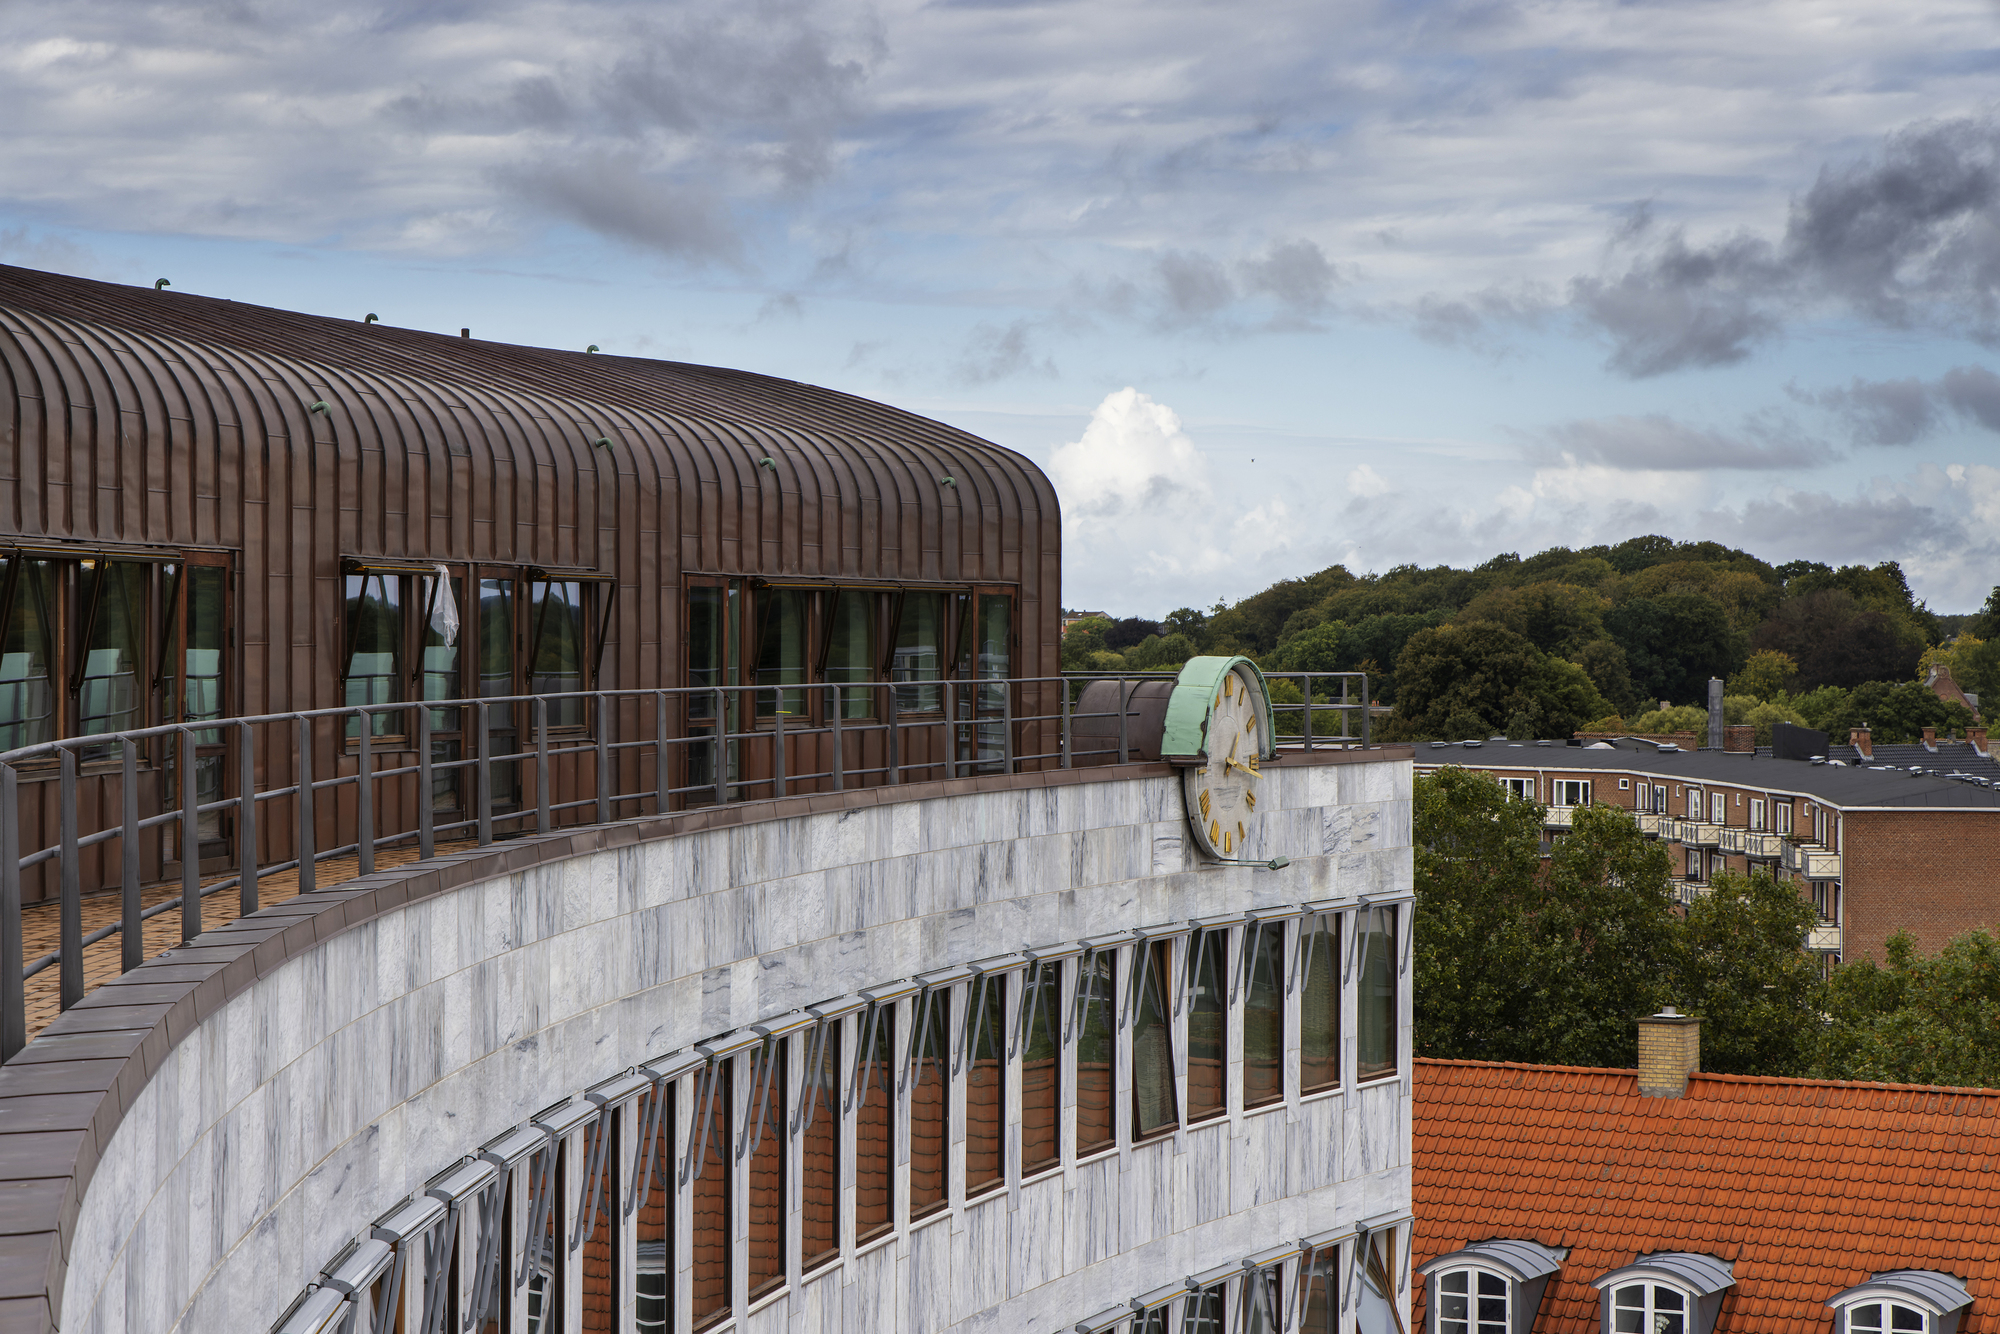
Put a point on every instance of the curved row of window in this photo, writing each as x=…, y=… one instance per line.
x=710, y=1180
x=1496, y=1287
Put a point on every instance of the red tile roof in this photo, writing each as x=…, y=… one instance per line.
x=1807, y=1186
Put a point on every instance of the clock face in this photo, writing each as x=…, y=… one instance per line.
x=1222, y=794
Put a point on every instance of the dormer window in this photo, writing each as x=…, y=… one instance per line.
x=1901, y=1301
x=1490, y=1287
x=1672, y=1293
x=1648, y=1308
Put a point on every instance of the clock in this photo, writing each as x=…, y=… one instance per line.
x=1218, y=729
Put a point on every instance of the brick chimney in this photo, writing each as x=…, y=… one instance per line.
x=1977, y=736
x=1669, y=1051
x=1930, y=739
x=1858, y=738
x=1740, y=739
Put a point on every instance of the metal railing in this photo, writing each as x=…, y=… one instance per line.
x=621, y=752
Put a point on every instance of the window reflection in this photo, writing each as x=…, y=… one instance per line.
x=653, y=1219
x=919, y=653
x=27, y=654
x=781, y=650
x=1041, y=1068
x=1375, y=1046
x=850, y=644
x=985, y=1089
x=1264, y=1015
x=374, y=641
x=928, y=1102
x=874, y=1140
x=766, y=1165
x=108, y=694
x=556, y=663
x=1207, y=1010
x=819, y=1153
x=1153, y=1105
x=1319, y=1003
x=1094, y=1049
x=710, y=1233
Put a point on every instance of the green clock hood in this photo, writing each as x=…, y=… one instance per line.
x=1185, y=738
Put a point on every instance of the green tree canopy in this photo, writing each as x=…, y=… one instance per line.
x=1457, y=681
x=1917, y=1020
x=1675, y=642
x=1739, y=966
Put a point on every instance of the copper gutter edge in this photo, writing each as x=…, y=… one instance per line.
x=64, y=1095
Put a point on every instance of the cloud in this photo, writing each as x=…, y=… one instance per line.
x=1903, y=412
x=1194, y=286
x=995, y=352
x=1659, y=443
x=1296, y=274
x=611, y=194
x=1364, y=482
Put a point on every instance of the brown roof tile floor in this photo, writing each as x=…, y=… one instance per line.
x=1810, y=1187
x=41, y=925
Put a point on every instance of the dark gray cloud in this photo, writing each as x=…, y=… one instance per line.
x=1187, y=288
x=1295, y=274
x=1656, y=442
x=1902, y=412
x=612, y=194
x=995, y=352
x=1193, y=286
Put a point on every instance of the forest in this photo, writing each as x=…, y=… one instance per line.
x=1607, y=638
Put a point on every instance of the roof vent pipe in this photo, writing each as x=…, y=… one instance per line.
x=1715, y=713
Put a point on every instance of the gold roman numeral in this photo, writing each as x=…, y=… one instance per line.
x=1228, y=843
x=1214, y=833
x=1250, y=800
x=1204, y=803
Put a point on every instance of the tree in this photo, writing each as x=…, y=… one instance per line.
x=1465, y=680
x=1899, y=712
x=1603, y=661
x=1187, y=621
x=1315, y=650
x=1081, y=640
x=1674, y=643
x=1128, y=632
x=1740, y=964
x=1837, y=640
x=1919, y=1020
x=1766, y=674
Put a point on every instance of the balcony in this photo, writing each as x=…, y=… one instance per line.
x=1650, y=822
x=1812, y=861
x=1559, y=817
x=1702, y=834
x=1823, y=938
x=1670, y=829
x=1732, y=840
x=1687, y=891
x=1762, y=844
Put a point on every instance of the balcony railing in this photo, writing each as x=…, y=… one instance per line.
x=363, y=781
x=1687, y=891
x=1650, y=822
x=1559, y=817
x=1812, y=861
x=1762, y=845
x=1702, y=834
x=1823, y=938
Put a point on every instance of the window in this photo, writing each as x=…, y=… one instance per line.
x=985, y=1085
x=1694, y=863
x=1694, y=803
x=1884, y=1318
x=1718, y=808
x=112, y=599
x=1319, y=1271
x=1756, y=812
x=1094, y=1048
x=1571, y=792
x=929, y=1100
x=874, y=1094
x=1624, y=785
x=1377, y=1310
x=1041, y=1067
x=374, y=650
x=1207, y=1011
x=597, y=1264
x=28, y=653
x=1471, y=1301
x=556, y=647
x=1648, y=1308
x=1261, y=1301
x=1319, y=1003
x=764, y=1160
x=781, y=650
x=1519, y=789
x=711, y=1234
x=653, y=1218
x=1203, y=1311
x=1375, y=1039
x=1154, y=1110
x=850, y=650
x=542, y=1261
x=1660, y=799
x=919, y=658
x=1263, y=1014
x=443, y=678
x=1783, y=810
x=819, y=1150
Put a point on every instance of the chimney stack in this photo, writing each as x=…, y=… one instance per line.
x=1858, y=738
x=1977, y=736
x=1715, y=713
x=1740, y=739
x=1930, y=739
x=1669, y=1051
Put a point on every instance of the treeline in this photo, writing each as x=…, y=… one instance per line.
x=1552, y=964
x=1594, y=639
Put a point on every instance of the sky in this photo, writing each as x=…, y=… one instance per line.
x=1262, y=287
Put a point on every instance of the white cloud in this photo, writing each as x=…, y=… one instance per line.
x=1365, y=482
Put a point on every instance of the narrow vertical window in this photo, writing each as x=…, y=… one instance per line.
x=929, y=1088
x=705, y=643
x=443, y=679
x=653, y=1218
x=1040, y=1039
x=1319, y=1003
x=496, y=681
x=781, y=650
x=919, y=659
x=191, y=680
x=27, y=653
x=556, y=647
x=874, y=1124
x=710, y=1241
x=1263, y=1014
x=1095, y=1129
x=547, y=1173
x=985, y=1085
x=1376, y=1036
x=1205, y=1310
x=596, y=1227
x=1319, y=1271
x=850, y=650
x=112, y=595
x=819, y=1149
x=1376, y=1310
x=374, y=649
x=1154, y=1108
x=1261, y=1302
x=1208, y=1011
x=764, y=1151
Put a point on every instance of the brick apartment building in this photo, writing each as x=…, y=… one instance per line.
x=1880, y=838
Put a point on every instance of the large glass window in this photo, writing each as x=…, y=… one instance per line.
x=1208, y=1010
x=443, y=679
x=1095, y=1130
x=109, y=698
x=27, y=653
x=985, y=1085
x=765, y=1162
x=1471, y=1301
x=781, y=650
x=850, y=650
x=374, y=649
x=710, y=1232
x=1264, y=1014
x=1041, y=1068
x=929, y=1101
x=556, y=655
x=1319, y=1003
x=819, y=1152
x=1375, y=1045
x=874, y=1125
x=1648, y=1308
x=1154, y=1110
x=919, y=659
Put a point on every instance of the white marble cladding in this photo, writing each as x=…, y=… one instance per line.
x=310, y=1104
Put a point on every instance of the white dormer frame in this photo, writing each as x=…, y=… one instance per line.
x=1524, y=1266
x=1940, y=1299
x=1701, y=1280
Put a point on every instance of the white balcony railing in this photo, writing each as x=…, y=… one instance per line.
x=1823, y=939
x=1559, y=817
x=1811, y=861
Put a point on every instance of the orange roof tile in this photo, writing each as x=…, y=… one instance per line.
x=1809, y=1186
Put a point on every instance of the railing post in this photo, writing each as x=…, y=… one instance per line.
x=1006, y=727
x=1346, y=711
x=778, y=744
x=308, y=834
x=951, y=729
x=663, y=772
x=892, y=714
x=839, y=759
x=1063, y=683
x=1367, y=713
x=1306, y=728
x=483, y=776
x=13, y=995
x=1124, y=745
x=426, y=780
x=604, y=759
x=71, y=906
x=364, y=804
x=544, y=820
x=721, y=747
x=131, y=931
x=190, y=845
x=246, y=819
